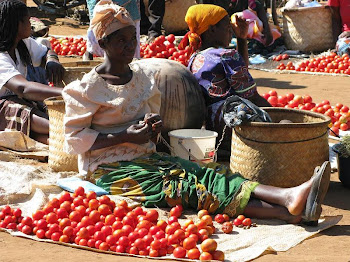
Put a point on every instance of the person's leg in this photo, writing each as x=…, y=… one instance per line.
x=144, y=23
x=260, y=209
x=156, y=9
x=293, y=198
x=305, y=199
x=137, y=50
x=39, y=128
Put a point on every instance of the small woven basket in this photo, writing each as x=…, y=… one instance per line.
x=308, y=29
x=277, y=154
x=58, y=160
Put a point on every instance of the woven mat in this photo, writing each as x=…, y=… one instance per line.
x=33, y=186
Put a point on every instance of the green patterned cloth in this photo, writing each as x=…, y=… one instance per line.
x=161, y=180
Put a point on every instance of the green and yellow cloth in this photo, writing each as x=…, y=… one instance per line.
x=160, y=180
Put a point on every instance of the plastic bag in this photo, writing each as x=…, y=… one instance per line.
x=237, y=110
x=70, y=184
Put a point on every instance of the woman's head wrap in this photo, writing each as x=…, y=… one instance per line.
x=108, y=18
x=199, y=18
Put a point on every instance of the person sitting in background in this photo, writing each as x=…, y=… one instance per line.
x=39, y=32
x=236, y=6
x=112, y=120
x=221, y=72
x=133, y=7
x=19, y=109
x=340, y=10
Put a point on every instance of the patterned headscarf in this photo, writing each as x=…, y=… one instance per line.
x=199, y=18
x=108, y=18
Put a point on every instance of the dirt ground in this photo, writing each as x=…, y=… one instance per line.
x=330, y=245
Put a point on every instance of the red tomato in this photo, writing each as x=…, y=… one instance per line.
x=282, y=99
x=218, y=255
x=189, y=243
x=247, y=222
x=179, y=252
x=219, y=218
x=103, y=246
x=73, y=216
x=40, y=233
x=278, y=58
x=170, y=38
x=193, y=253
x=285, y=56
x=152, y=215
x=344, y=127
x=205, y=256
x=227, y=227
x=209, y=245
x=290, y=96
x=344, y=109
x=273, y=100
x=237, y=222
x=175, y=211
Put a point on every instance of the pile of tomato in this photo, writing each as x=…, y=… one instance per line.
x=339, y=113
x=99, y=222
x=164, y=47
x=68, y=46
x=331, y=63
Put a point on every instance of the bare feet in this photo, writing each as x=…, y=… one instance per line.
x=297, y=196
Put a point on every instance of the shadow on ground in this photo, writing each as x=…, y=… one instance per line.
x=337, y=230
x=274, y=83
x=338, y=196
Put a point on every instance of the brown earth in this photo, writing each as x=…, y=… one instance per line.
x=330, y=245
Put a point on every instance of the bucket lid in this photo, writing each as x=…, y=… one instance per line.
x=193, y=133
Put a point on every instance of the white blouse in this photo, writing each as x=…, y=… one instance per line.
x=93, y=106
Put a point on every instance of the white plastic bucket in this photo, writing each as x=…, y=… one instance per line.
x=193, y=144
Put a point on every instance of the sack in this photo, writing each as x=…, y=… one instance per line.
x=237, y=110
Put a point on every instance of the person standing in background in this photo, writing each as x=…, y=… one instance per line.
x=340, y=10
x=132, y=6
x=235, y=6
x=151, y=25
x=39, y=32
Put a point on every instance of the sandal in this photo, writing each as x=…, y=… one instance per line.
x=317, y=194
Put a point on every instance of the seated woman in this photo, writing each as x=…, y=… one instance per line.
x=341, y=25
x=111, y=121
x=19, y=107
x=221, y=72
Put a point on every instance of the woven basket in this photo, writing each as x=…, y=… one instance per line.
x=282, y=155
x=76, y=70
x=308, y=29
x=58, y=159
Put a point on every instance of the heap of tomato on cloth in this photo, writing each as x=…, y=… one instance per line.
x=86, y=220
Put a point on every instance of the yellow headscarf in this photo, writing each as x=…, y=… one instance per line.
x=199, y=18
x=108, y=18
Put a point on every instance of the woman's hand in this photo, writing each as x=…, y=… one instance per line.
x=154, y=122
x=138, y=133
x=54, y=70
x=345, y=34
x=240, y=27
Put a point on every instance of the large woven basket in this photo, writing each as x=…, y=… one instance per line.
x=308, y=29
x=58, y=159
x=277, y=154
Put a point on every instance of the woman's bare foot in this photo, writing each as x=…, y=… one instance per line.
x=297, y=196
